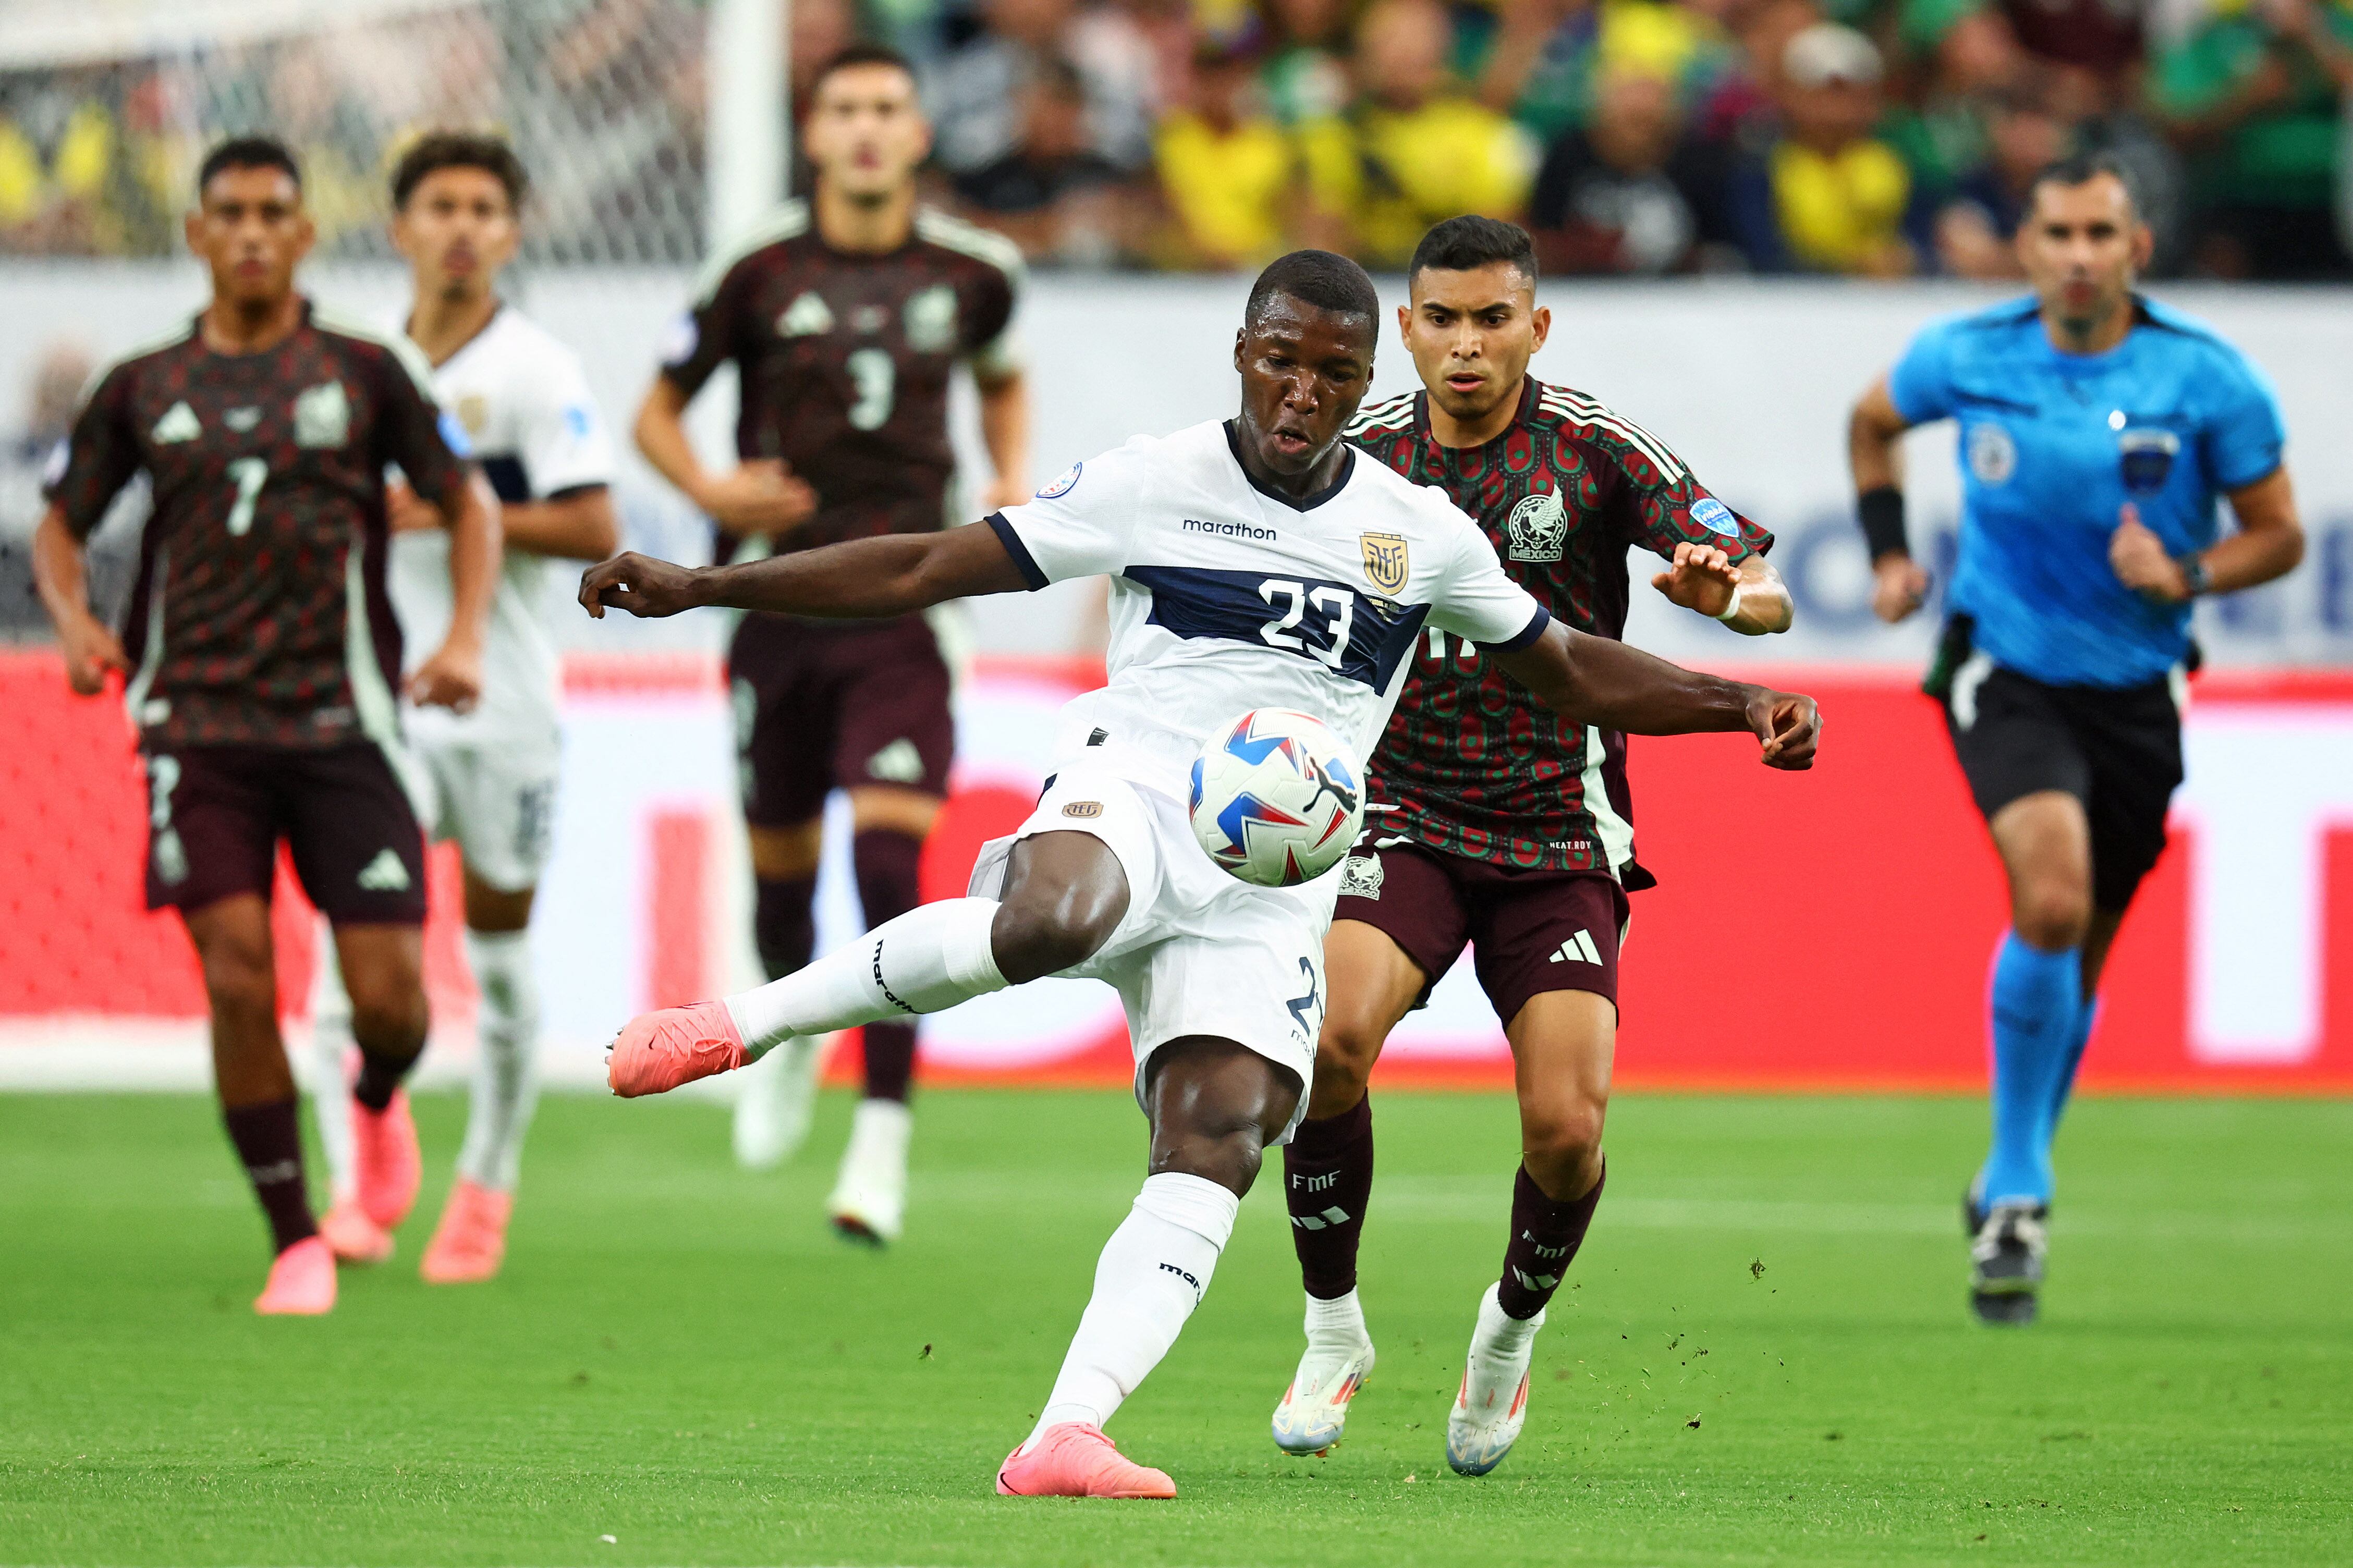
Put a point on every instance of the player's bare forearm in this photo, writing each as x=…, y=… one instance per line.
x=1005, y=431
x=1875, y=440
x=661, y=433
x=861, y=579
x=2270, y=541
x=471, y=514
x=578, y=526
x=60, y=575
x=1765, y=607
x=1602, y=682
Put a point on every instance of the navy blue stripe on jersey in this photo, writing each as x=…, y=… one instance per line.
x=1030, y=573
x=1528, y=634
x=508, y=477
x=1353, y=634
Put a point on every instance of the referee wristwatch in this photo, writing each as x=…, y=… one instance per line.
x=2195, y=577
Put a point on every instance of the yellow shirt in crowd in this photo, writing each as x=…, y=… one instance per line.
x=1391, y=175
x=1228, y=189
x=1840, y=211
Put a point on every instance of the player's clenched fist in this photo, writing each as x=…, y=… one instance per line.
x=91, y=650
x=1789, y=726
x=638, y=583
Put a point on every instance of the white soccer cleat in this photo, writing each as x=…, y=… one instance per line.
x=778, y=1103
x=1494, y=1403
x=869, y=1198
x=1315, y=1408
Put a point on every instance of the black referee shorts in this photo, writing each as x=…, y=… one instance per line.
x=2117, y=750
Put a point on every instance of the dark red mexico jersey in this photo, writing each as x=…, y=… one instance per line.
x=843, y=360
x=1471, y=763
x=259, y=614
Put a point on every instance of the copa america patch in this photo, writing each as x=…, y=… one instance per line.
x=678, y=340
x=1061, y=484
x=1714, y=516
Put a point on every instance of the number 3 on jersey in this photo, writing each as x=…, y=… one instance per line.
x=250, y=474
x=876, y=377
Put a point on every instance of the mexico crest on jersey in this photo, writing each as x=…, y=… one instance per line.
x=1539, y=528
x=1385, y=560
x=930, y=320
x=322, y=415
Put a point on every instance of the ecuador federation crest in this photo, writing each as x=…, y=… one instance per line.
x=1385, y=560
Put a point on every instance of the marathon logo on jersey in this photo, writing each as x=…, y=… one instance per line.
x=1062, y=483
x=1231, y=530
x=1993, y=456
x=806, y=317
x=1386, y=564
x=1361, y=876
x=322, y=416
x=179, y=423
x=1714, y=516
x=1539, y=528
x=930, y=320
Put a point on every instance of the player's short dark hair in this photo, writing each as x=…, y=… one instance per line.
x=1467, y=243
x=438, y=150
x=2081, y=169
x=861, y=54
x=1317, y=278
x=247, y=152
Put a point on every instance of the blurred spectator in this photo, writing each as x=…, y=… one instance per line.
x=81, y=171
x=1225, y=168
x=1976, y=227
x=1944, y=132
x=1826, y=195
x=1743, y=98
x=2101, y=37
x=1052, y=193
x=2256, y=96
x=976, y=96
x=1631, y=193
x=1413, y=149
x=1546, y=57
x=1306, y=72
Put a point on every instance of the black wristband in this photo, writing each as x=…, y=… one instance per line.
x=1882, y=510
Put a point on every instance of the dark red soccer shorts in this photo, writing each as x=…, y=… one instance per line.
x=823, y=707
x=216, y=813
x=1531, y=932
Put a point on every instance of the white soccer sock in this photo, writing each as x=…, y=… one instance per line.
x=506, y=1059
x=326, y=1071
x=1338, y=1322
x=1152, y=1273
x=927, y=960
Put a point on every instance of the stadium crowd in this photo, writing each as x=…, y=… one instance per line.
x=1870, y=138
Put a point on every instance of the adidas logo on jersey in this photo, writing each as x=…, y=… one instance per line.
x=384, y=874
x=179, y=423
x=1578, y=948
x=805, y=317
x=898, y=763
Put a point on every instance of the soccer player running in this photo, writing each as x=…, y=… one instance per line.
x=1255, y=562
x=2097, y=429
x=1500, y=824
x=523, y=400
x=845, y=317
x=263, y=661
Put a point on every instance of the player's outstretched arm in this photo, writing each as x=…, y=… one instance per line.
x=861, y=579
x=1602, y=682
x=91, y=649
x=1749, y=598
x=1875, y=452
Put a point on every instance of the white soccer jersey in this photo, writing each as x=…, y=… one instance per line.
x=1226, y=597
x=523, y=400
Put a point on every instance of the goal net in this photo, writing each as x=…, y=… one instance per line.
x=106, y=107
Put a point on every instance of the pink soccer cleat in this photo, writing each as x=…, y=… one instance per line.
x=352, y=1236
x=1073, y=1459
x=301, y=1282
x=656, y=1052
x=385, y=1160
x=470, y=1242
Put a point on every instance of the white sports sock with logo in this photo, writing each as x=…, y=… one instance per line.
x=506, y=1060
x=1152, y=1273
x=925, y=961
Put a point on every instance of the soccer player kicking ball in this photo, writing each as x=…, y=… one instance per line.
x=523, y=400
x=1501, y=824
x=2097, y=429
x=846, y=317
x=263, y=663
x=1256, y=560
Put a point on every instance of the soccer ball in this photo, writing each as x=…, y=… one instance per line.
x=1277, y=798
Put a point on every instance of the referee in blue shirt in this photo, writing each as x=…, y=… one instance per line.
x=2097, y=430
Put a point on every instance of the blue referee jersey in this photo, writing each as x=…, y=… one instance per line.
x=2052, y=445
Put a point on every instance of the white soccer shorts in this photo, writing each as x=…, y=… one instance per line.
x=1198, y=952
x=498, y=804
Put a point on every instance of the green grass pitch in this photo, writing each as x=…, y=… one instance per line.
x=1766, y=1357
